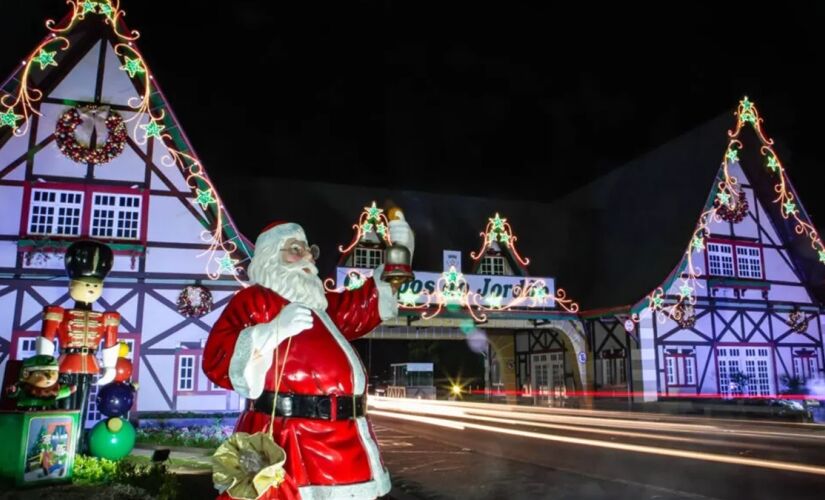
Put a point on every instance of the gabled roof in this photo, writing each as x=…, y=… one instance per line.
x=498, y=236
x=68, y=41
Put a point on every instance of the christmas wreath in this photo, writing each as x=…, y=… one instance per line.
x=194, y=301
x=685, y=315
x=798, y=321
x=74, y=131
x=737, y=213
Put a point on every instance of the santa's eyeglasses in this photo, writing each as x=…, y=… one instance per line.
x=299, y=250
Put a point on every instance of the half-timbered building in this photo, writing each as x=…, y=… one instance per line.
x=89, y=148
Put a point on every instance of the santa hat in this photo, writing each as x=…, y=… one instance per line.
x=278, y=232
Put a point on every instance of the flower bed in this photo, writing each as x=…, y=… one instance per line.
x=191, y=436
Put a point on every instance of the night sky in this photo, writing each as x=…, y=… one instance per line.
x=466, y=97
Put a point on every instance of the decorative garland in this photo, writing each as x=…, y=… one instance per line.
x=737, y=213
x=499, y=230
x=195, y=301
x=69, y=145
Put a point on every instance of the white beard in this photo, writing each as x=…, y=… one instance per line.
x=290, y=281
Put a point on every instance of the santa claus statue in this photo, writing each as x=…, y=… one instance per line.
x=287, y=318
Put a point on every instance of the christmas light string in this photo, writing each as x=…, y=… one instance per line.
x=372, y=219
x=23, y=100
x=452, y=291
x=499, y=230
x=726, y=195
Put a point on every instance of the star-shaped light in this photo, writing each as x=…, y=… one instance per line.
x=498, y=223
x=822, y=256
x=494, y=301
x=773, y=164
x=106, y=9
x=698, y=243
x=153, y=129
x=9, y=118
x=373, y=212
x=748, y=117
x=504, y=238
x=724, y=198
x=407, y=297
x=789, y=206
x=44, y=58
x=89, y=7
x=732, y=155
x=657, y=302
x=746, y=104
x=205, y=198
x=381, y=229
x=538, y=293
x=355, y=282
x=685, y=291
x=452, y=275
x=366, y=227
x=227, y=264
x=133, y=66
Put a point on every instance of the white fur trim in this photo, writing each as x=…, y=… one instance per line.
x=387, y=303
x=110, y=355
x=359, y=377
x=248, y=366
x=376, y=487
x=281, y=233
x=44, y=346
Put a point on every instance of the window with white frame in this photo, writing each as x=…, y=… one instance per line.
x=720, y=259
x=745, y=371
x=55, y=212
x=749, y=262
x=681, y=370
x=186, y=373
x=613, y=371
x=493, y=265
x=804, y=365
x=26, y=347
x=115, y=216
x=368, y=258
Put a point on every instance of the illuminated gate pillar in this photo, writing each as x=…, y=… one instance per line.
x=502, y=365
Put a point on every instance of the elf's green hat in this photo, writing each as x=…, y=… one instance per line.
x=40, y=362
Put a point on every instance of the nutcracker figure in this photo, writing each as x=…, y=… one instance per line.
x=80, y=330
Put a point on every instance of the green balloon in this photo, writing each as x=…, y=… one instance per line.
x=104, y=443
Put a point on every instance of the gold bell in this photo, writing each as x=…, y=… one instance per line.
x=397, y=265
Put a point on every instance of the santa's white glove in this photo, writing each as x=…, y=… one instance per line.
x=402, y=234
x=292, y=320
x=253, y=350
x=109, y=364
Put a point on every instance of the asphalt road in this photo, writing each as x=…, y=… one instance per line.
x=447, y=450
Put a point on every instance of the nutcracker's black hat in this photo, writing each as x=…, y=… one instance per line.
x=88, y=261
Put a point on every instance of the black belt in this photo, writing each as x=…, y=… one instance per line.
x=320, y=407
x=79, y=350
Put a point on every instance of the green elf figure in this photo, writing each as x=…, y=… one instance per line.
x=38, y=388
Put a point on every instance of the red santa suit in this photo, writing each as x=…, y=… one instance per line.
x=336, y=457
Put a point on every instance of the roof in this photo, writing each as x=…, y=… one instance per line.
x=66, y=43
